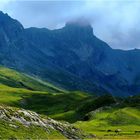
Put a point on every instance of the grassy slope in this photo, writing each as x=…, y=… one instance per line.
x=20, y=90
x=127, y=119
x=14, y=89
x=14, y=86
x=58, y=106
x=15, y=79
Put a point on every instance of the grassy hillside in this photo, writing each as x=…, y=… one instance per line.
x=15, y=79
x=93, y=114
x=58, y=106
x=110, y=119
x=20, y=90
x=61, y=106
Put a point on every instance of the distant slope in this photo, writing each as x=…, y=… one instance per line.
x=15, y=86
x=16, y=79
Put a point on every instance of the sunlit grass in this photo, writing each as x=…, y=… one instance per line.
x=127, y=119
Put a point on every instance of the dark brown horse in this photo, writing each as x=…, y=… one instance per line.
x=137, y=131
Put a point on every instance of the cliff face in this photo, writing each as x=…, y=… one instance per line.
x=71, y=57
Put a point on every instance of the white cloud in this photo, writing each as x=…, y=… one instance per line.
x=3, y=3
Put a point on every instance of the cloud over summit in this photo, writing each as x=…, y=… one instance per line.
x=115, y=21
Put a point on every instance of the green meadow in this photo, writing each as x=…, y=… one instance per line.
x=100, y=116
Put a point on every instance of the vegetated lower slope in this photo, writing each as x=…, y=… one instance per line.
x=58, y=106
x=104, y=121
x=20, y=90
x=125, y=115
x=15, y=86
x=15, y=79
x=16, y=123
x=92, y=114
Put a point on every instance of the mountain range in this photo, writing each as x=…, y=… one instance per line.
x=72, y=58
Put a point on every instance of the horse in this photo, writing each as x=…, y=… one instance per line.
x=118, y=130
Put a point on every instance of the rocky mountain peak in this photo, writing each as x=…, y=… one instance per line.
x=10, y=27
x=3, y=15
x=79, y=27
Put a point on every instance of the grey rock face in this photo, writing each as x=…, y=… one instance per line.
x=29, y=118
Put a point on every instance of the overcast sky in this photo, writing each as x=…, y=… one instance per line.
x=117, y=22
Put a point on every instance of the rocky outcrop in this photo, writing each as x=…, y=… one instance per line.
x=28, y=118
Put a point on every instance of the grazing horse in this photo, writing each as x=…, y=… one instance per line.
x=118, y=130
x=137, y=131
x=109, y=130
